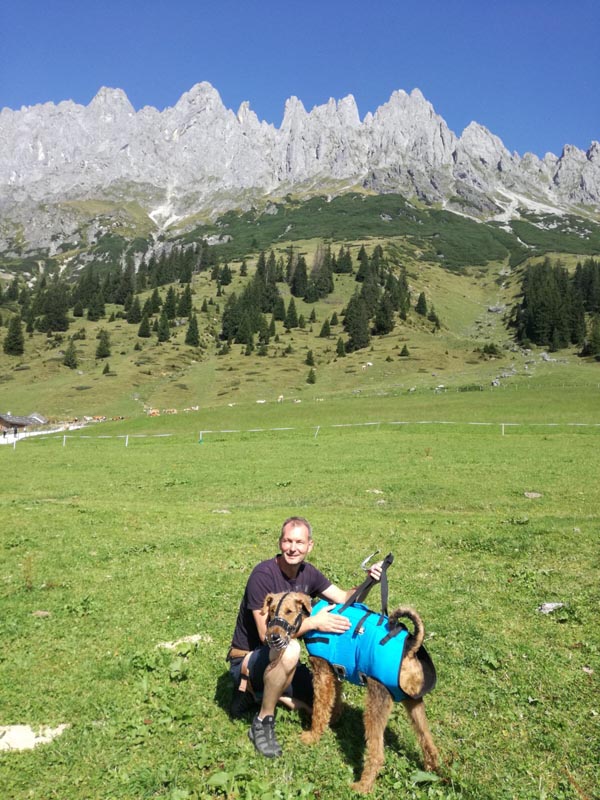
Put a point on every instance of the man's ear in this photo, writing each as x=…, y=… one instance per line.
x=268, y=600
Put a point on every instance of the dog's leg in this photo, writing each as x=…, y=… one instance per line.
x=379, y=704
x=324, y=682
x=416, y=712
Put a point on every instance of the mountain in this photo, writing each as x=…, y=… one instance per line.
x=62, y=165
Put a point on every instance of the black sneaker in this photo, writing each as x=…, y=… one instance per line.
x=242, y=703
x=262, y=734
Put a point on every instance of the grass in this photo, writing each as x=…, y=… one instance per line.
x=128, y=547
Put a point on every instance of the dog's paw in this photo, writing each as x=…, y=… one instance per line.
x=361, y=787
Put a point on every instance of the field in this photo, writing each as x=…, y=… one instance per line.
x=126, y=547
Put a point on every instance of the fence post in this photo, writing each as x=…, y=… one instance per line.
x=127, y=441
x=317, y=431
x=65, y=440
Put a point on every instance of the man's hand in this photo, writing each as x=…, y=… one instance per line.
x=375, y=571
x=326, y=622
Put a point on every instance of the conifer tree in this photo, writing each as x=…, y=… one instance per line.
x=291, y=317
x=312, y=376
x=334, y=319
x=299, y=279
x=384, y=316
x=156, y=302
x=204, y=307
x=70, y=357
x=170, y=306
x=325, y=330
x=356, y=324
x=134, y=315
x=163, y=331
x=313, y=315
x=14, y=342
x=192, y=337
x=310, y=359
x=106, y=369
x=404, y=352
x=301, y=322
x=144, y=329
x=103, y=348
x=421, y=306
x=340, y=348
x=184, y=306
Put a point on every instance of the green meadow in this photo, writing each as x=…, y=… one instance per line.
x=127, y=537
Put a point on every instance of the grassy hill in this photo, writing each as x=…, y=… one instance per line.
x=464, y=268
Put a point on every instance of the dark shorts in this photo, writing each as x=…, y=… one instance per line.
x=301, y=686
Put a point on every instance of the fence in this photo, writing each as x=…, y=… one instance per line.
x=313, y=430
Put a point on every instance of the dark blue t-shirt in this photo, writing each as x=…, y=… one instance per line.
x=267, y=578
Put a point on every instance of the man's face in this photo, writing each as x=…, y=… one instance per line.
x=295, y=544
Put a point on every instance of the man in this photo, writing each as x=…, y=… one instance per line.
x=280, y=679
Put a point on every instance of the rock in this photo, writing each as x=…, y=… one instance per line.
x=548, y=608
x=198, y=155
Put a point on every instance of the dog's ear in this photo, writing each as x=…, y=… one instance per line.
x=304, y=605
x=268, y=600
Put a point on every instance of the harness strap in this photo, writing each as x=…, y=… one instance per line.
x=361, y=591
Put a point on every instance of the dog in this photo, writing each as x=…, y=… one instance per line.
x=285, y=613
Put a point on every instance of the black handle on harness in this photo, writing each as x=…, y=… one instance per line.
x=363, y=590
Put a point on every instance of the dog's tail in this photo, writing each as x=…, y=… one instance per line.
x=415, y=639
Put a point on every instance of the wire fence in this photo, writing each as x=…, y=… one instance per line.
x=503, y=428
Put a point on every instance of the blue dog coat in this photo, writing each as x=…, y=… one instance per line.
x=371, y=648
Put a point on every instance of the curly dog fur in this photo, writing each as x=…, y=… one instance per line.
x=328, y=693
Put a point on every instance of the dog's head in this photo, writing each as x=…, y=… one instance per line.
x=285, y=612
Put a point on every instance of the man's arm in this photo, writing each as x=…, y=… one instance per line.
x=261, y=624
x=327, y=622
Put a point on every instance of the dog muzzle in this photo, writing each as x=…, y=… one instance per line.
x=279, y=630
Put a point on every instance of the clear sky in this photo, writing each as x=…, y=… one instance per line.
x=529, y=70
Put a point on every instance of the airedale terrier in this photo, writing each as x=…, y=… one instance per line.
x=285, y=614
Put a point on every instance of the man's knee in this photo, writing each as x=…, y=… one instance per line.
x=288, y=658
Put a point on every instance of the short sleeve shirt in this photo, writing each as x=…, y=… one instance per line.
x=267, y=578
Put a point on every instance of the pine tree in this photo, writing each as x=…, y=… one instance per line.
x=313, y=315
x=156, y=302
x=184, y=306
x=106, y=370
x=310, y=359
x=103, y=348
x=170, y=306
x=421, y=306
x=325, y=330
x=334, y=319
x=384, y=317
x=340, y=348
x=291, y=317
x=356, y=324
x=163, y=330
x=134, y=315
x=70, y=358
x=404, y=351
x=144, y=329
x=311, y=377
x=204, y=307
x=192, y=337
x=14, y=342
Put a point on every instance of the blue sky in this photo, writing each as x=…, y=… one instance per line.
x=529, y=70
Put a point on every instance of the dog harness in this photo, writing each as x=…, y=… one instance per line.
x=371, y=647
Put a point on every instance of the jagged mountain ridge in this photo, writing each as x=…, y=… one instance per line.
x=199, y=156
